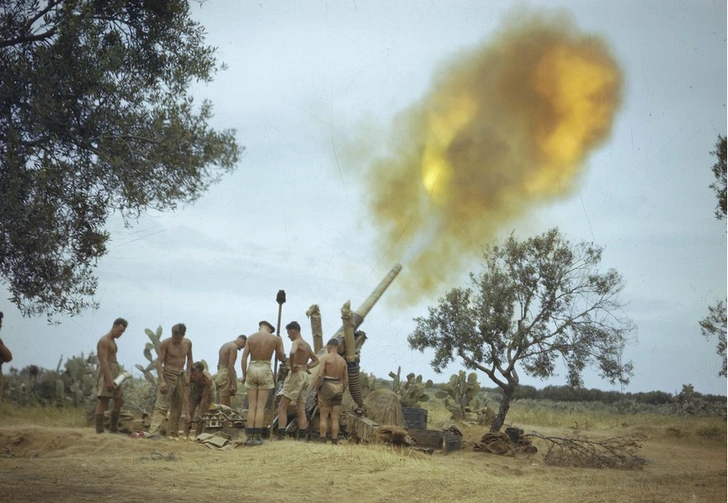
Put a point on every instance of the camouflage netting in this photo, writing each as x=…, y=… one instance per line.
x=495, y=443
x=392, y=435
x=383, y=407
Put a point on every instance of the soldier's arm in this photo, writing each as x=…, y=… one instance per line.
x=188, y=372
x=244, y=363
x=103, y=350
x=160, y=359
x=346, y=375
x=280, y=351
x=5, y=354
x=232, y=354
x=314, y=359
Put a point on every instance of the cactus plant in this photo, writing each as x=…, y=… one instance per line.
x=79, y=379
x=411, y=391
x=155, y=337
x=396, y=382
x=459, y=394
x=414, y=391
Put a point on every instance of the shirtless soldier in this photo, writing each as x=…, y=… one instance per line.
x=5, y=357
x=331, y=381
x=302, y=359
x=172, y=378
x=258, y=378
x=202, y=394
x=106, y=388
x=226, y=379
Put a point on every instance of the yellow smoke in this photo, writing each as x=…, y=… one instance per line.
x=508, y=127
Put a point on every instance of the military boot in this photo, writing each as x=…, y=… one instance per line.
x=99, y=418
x=114, y=422
x=302, y=435
x=249, y=433
x=258, y=436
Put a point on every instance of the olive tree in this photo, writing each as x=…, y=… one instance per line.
x=714, y=325
x=95, y=118
x=536, y=303
x=719, y=172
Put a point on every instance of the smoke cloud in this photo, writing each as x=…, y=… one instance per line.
x=504, y=128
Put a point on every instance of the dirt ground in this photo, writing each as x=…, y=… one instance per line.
x=76, y=465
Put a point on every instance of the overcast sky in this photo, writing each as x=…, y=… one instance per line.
x=316, y=89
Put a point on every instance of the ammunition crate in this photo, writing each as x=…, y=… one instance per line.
x=452, y=442
x=426, y=438
x=414, y=417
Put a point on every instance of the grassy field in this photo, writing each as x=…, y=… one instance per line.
x=53, y=455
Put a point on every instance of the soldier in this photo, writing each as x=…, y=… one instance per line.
x=258, y=377
x=5, y=357
x=331, y=381
x=202, y=393
x=106, y=388
x=174, y=352
x=226, y=379
x=302, y=359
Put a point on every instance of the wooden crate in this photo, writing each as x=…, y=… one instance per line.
x=426, y=438
x=414, y=417
x=452, y=442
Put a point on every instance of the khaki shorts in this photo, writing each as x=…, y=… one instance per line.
x=331, y=392
x=259, y=375
x=224, y=381
x=101, y=390
x=295, y=385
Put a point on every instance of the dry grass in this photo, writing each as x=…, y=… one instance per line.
x=42, y=416
x=45, y=461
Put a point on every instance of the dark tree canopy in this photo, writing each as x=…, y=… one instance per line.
x=536, y=303
x=95, y=118
x=714, y=325
x=719, y=171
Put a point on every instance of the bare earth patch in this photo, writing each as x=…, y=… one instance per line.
x=77, y=465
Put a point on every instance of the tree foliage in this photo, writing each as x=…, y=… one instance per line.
x=719, y=171
x=714, y=325
x=95, y=118
x=536, y=303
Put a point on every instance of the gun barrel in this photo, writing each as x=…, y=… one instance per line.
x=366, y=306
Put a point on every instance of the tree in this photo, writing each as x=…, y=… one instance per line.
x=95, y=118
x=536, y=303
x=719, y=170
x=715, y=325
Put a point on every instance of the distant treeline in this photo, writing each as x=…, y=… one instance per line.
x=570, y=394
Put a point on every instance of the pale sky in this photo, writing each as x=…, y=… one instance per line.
x=305, y=79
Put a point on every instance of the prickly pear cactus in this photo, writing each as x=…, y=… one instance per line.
x=155, y=337
x=414, y=391
x=396, y=382
x=411, y=391
x=459, y=394
x=78, y=382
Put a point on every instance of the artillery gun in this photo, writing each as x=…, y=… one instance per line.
x=350, y=343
